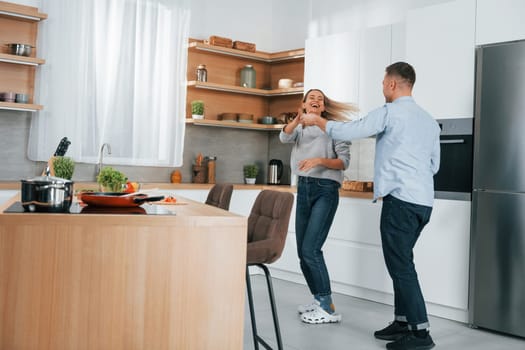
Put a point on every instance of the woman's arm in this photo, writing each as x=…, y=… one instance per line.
x=290, y=127
x=330, y=163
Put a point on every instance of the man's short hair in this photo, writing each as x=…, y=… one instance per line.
x=403, y=70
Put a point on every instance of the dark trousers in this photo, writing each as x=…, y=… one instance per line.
x=401, y=225
x=317, y=201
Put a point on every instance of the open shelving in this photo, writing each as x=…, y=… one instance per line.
x=223, y=93
x=19, y=24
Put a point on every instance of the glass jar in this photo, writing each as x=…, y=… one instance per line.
x=202, y=73
x=248, y=76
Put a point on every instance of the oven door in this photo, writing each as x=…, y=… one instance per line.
x=455, y=170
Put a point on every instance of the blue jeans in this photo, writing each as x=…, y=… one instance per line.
x=401, y=224
x=317, y=201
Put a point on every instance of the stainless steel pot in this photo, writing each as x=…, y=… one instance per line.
x=20, y=49
x=47, y=194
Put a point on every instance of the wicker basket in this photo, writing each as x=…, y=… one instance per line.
x=220, y=41
x=240, y=45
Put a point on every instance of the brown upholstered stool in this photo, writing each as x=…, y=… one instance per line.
x=267, y=229
x=220, y=196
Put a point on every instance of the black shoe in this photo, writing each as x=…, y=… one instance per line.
x=411, y=342
x=394, y=331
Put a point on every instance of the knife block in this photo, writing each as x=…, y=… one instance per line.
x=198, y=174
x=50, y=166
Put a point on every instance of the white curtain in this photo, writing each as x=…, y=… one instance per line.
x=115, y=73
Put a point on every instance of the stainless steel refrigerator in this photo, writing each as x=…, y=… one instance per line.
x=497, y=270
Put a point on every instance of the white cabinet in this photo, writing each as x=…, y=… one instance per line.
x=440, y=44
x=332, y=65
x=442, y=259
x=498, y=21
x=374, y=56
x=398, y=42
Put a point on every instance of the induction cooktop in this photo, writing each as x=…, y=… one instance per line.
x=76, y=208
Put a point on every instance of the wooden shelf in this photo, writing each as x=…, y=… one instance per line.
x=235, y=125
x=20, y=106
x=19, y=24
x=256, y=56
x=243, y=90
x=21, y=12
x=29, y=61
x=223, y=93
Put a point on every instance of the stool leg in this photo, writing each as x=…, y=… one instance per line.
x=272, y=303
x=252, y=312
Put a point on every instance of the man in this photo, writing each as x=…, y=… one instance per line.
x=406, y=159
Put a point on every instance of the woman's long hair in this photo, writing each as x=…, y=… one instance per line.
x=335, y=110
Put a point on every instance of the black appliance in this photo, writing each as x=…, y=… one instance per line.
x=76, y=208
x=275, y=171
x=454, y=178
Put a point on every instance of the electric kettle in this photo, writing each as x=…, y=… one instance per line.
x=275, y=171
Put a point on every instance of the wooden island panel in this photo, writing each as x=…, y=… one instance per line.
x=90, y=281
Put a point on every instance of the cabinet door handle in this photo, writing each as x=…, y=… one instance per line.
x=452, y=141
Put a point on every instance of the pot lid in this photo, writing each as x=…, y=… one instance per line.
x=48, y=179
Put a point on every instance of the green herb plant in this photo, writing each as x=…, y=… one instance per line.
x=111, y=180
x=197, y=107
x=250, y=171
x=64, y=167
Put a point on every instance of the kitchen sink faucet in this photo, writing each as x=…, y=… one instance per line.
x=101, y=155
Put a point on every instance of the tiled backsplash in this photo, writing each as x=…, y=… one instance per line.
x=232, y=147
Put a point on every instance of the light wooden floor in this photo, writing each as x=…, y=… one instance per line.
x=360, y=319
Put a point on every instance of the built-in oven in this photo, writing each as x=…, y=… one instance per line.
x=454, y=178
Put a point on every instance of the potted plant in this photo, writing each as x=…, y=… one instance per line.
x=197, y=109
x=63, y=167
x=250, y=173
x=111, y=180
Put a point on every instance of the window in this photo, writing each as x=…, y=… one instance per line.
x=115, y=72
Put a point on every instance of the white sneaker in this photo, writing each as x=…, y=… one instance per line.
x=318, y=315
x=307, y=307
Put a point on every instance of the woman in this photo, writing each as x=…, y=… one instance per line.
x=319, y=162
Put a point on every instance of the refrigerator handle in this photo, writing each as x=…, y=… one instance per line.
x=452, y=141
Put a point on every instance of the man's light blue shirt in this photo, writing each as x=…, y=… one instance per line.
x=407, y=149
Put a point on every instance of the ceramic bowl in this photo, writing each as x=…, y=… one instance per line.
x=285, y=83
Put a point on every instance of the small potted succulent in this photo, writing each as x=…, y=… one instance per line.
x=250, y=173
x=63, y=167
x=111, y=180
x=197, y=109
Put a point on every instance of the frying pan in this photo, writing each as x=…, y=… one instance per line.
x=117, y=199
x=90, y=209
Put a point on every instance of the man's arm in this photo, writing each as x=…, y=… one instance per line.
x=372, y=124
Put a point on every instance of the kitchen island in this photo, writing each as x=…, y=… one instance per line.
x=122, y=281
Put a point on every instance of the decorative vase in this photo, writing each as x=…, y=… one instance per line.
x=250, y=180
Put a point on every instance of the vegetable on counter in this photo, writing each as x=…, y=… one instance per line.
x=112, y=180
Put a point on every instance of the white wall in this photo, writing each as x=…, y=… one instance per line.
x=272, y=25
x=34, y=3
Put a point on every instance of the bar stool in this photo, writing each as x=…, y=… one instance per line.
x=220, y=196
x=267, y=230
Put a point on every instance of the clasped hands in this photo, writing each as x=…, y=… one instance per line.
x=306, y=119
